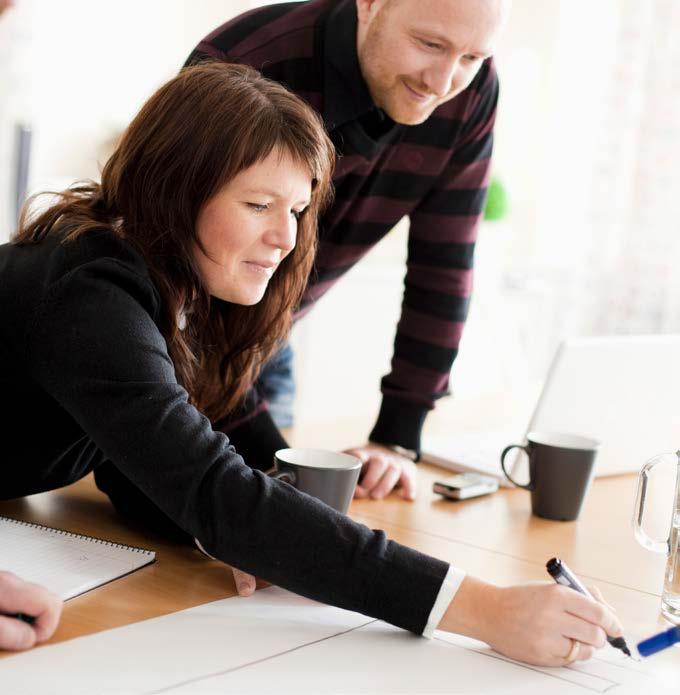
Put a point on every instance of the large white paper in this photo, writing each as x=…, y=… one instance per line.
x=276, y=641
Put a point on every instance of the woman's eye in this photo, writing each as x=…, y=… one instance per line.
x=258, y=207
x=297, y=214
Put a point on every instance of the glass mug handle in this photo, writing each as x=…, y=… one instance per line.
x=506, y=451
x=642, y=538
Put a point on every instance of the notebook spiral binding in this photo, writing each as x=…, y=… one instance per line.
x=70, y=534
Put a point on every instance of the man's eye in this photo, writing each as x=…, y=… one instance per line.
x=431, y=45
x=258, y=207
x=471, y=58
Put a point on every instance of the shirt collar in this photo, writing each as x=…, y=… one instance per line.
x=346, y=95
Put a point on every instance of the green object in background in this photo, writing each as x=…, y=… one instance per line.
x=496, y=201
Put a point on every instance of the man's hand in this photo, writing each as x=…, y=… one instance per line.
x=18, y=596
x=382, y=471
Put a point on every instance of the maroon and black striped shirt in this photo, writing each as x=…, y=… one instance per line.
x=436, y=173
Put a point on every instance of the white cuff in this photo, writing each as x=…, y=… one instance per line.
x=452, y=581
x=203, y=550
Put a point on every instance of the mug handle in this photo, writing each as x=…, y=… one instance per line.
x=641, y=536
x=529, y=486
x=286, y=476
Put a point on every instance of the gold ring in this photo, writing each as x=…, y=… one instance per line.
x=573, y=652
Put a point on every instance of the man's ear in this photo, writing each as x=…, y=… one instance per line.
x=366, y=9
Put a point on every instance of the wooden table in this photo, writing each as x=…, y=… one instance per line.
x=494, y=537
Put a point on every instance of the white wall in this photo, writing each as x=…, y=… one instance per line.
x=80, y=71
x=94, y=64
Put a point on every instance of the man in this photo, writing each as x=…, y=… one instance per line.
x=20, y=597
x=408, y=93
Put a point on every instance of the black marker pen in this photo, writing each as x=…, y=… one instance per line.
x=563, y=575
x=20, y=616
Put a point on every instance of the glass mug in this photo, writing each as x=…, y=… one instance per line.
x=670, y=598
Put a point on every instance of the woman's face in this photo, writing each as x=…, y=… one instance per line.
x=250, y=226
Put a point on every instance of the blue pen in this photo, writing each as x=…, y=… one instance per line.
x=664, y=639
x=563, y=575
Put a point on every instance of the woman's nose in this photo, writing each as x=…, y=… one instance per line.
x=284, y=233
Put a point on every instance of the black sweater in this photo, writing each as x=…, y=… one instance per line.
x=87, y=378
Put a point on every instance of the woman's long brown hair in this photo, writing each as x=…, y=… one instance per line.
x=191, y=138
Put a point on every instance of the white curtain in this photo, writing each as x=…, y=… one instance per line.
x=635, y=202
x=588, y=144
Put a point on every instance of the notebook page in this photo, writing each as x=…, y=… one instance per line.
x=66, y=563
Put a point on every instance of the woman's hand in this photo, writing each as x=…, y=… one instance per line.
x=247, y=583
x=535, y=623
x=18, y=596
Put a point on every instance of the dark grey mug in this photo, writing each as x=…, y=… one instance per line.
x=328, y=475
x=560, y=472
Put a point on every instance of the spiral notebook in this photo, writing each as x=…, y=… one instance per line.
x=68, y=564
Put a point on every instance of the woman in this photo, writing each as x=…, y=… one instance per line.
x=135, y=314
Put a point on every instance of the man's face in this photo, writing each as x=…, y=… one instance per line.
x=417, y=54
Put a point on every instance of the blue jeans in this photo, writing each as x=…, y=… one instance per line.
x=276, y=383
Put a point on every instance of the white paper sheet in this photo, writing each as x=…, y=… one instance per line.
x=276, y=641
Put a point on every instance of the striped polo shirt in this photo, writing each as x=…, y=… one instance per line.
x=436, y=173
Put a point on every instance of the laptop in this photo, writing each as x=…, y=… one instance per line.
x=621, y=390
